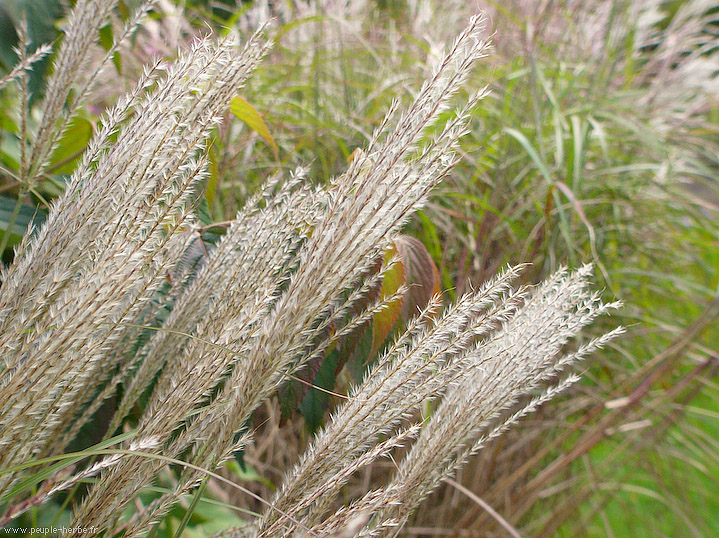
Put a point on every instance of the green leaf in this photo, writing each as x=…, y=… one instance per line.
x=71, y=146
x=529, y=148
x=360, y=359
x=203, y=213
x=245, y=112
x=107, y=40
x=8, y=39
x=212, y=181
x=248, y=474
x=57, y=463
x=41, y=16
x=26, y=216
x=315, y=403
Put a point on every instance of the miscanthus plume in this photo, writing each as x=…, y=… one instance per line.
x=296, y=261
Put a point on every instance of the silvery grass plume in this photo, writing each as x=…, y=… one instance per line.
x=682, y=67
x=479, y=358
x=281, y=287
x=63, y=95
x=253, y=336
x=35, y=305
x=87, y=275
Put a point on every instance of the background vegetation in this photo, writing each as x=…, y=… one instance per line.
x=598, y=142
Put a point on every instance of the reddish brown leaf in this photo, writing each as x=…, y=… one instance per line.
x=421, y=274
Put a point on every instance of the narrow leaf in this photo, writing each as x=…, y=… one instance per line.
x=244, y=111
x=70, y=147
